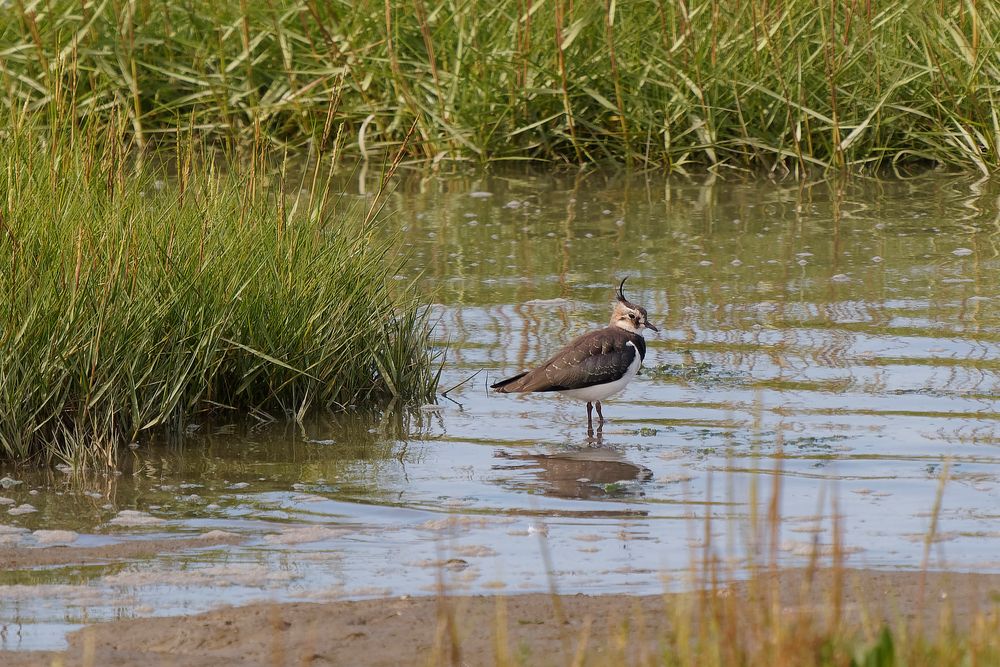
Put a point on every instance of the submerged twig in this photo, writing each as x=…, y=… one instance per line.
x=445, y=392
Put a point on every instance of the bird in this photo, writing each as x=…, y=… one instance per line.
x=593, y=366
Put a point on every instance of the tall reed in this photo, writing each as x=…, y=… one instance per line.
x=134, y=299
x=741, y=83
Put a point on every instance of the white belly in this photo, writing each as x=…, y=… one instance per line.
x=599, y=392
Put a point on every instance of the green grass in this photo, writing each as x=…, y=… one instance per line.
x=133, y=299
x=790, y=85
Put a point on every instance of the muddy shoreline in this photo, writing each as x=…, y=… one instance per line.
x=31, y=557
x=540, y=628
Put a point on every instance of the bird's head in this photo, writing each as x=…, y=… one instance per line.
x=627, y=315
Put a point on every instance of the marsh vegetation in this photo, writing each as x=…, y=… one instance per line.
x=137, y=295
x=744, y=83
x=179, y=250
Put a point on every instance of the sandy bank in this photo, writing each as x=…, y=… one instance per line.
x=409, y=631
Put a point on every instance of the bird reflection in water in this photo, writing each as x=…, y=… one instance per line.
x=591, y=472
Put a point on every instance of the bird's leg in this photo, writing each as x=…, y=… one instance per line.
x=600, y=415
x=590, y=419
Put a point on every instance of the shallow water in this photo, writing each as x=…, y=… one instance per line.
x=834, y=341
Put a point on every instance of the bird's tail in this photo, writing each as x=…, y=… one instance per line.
x=506, y=386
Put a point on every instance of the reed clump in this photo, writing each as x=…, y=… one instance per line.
x=745, y=83
x=137, y=297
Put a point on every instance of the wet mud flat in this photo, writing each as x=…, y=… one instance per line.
x=534, y=628
x=28, y=557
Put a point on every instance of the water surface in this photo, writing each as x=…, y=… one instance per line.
x=832, y=342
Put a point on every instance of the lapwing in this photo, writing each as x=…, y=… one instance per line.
x=595, y=365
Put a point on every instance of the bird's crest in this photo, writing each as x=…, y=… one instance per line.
x=627, y=315
x=621, y=291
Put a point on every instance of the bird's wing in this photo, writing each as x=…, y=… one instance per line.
x=597, y=357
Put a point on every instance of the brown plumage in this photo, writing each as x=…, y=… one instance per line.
x=593, y=366
x=596, y=357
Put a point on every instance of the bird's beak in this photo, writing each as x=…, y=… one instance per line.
x=650, y=326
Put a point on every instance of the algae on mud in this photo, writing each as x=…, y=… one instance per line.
x=133, y=299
